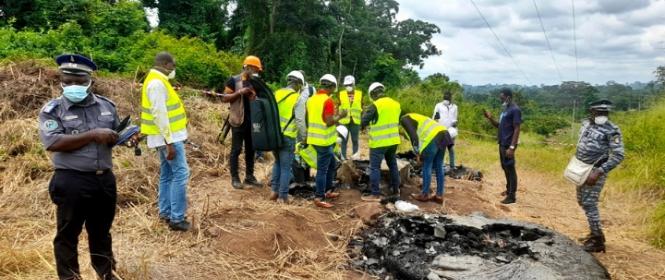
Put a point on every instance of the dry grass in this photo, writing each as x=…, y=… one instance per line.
x=228, y=226
x=239, y=234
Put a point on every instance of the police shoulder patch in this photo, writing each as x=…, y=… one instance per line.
x=48, y=108
x=49, y=125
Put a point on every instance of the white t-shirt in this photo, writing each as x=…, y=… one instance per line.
x=447, y=114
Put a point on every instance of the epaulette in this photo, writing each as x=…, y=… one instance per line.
x=105, y=99
x=48, y=108
x=614, y=126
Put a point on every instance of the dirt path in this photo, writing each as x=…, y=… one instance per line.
x=551, y=202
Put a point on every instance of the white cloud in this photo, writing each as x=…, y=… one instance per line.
x=617, y=40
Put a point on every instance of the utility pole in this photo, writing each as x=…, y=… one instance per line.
x=572, y=124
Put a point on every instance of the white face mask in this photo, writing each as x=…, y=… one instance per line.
x=600, y=120
x=446, y=102
x=349, y=89
x=171, y=75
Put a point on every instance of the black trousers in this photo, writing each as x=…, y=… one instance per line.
x=83, y=198
x=240, y=135
x=508, y=165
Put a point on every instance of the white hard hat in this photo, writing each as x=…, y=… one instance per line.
x=349, y=80
x=296, y=74
x=329, y=78
x=374, y=86
x=452, y=131
x=343, y=131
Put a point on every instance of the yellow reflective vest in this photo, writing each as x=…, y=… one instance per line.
x=385, y=132
x=354, y=109
x=286, y=99
x=309, y=156
x=427, y=130
x=174, y=106
x=318, y=133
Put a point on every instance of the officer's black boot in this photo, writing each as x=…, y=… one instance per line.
x=252, y=181
x=585, y=238
x=510, y=199
x=235, y=182
x=596, y=243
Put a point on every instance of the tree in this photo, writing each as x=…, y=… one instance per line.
x=205, y=19
x=660, y=75
x=45, y=14
x=580, y=95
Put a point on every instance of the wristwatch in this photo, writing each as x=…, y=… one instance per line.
x=511, y=147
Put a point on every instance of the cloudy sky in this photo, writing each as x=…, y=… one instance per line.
x=620, y=40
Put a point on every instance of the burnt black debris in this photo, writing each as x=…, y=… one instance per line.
x=458, y=172
x=304, y=191
x=474, y=247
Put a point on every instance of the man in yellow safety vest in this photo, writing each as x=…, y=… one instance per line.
x=350, y=99
x=321, y=133
x=429, y=140
x=164, y=120
x=382, y=117
x=286, y=101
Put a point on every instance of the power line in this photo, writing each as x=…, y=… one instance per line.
x=547, y=39
x=577, y=71
x=500, y=42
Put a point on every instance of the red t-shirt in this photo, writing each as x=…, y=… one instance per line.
x=328, y=106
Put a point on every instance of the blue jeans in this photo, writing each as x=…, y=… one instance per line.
x=173, y=177
x=325, y=174
x=432, y=157
x=354, y=129
x=451, y=155
x=376, y=155
x=281, y=169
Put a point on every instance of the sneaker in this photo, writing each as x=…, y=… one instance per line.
x=371, y=198
x=180, y=226
x=332, y=195
x=251, y=180
x=420, y=197
x=508, y=200
x=235, y=182
x=320, y=203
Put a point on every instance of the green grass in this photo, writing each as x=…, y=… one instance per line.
x=641, y=171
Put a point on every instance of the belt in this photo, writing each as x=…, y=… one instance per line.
x=96, y=172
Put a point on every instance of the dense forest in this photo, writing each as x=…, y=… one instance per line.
x=361, y=38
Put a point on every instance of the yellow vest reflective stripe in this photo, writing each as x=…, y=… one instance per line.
x=354, y=109
x=427, y=129
x=308, y=155
x=286, y=99
x=174, y=106
x=385, y=132
x=318, y=133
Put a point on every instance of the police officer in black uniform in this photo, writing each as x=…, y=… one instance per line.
x=78, y=129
